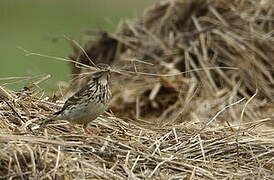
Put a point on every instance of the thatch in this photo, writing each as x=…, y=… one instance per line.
x=212, y=122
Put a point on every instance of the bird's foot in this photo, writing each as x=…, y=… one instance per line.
x=90, y=131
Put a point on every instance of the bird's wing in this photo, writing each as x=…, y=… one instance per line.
x=76, y=98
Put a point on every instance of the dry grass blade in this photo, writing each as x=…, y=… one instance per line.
x=28, y=53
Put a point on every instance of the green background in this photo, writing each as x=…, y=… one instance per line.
x=39, y=26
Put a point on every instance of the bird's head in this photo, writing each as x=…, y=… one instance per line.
x=102, y=75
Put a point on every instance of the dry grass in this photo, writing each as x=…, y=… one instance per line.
x=121, y=150
x=197, y=105
x=219, y=51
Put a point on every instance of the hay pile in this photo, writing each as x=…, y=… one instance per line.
x=226, y=50
x=164, y=126
x=125, y=150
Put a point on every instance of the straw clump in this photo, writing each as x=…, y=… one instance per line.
x=207, y=123
x=224, y=48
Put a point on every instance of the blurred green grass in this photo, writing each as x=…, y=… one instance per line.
x=39, y=26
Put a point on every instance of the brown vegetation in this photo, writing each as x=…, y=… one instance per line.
x=197, y=103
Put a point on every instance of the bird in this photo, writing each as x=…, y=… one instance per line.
x=89, y=102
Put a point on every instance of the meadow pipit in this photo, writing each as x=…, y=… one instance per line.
x=89, y=102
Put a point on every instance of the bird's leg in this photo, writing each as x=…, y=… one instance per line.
x=85, y=129
x=88, y=131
